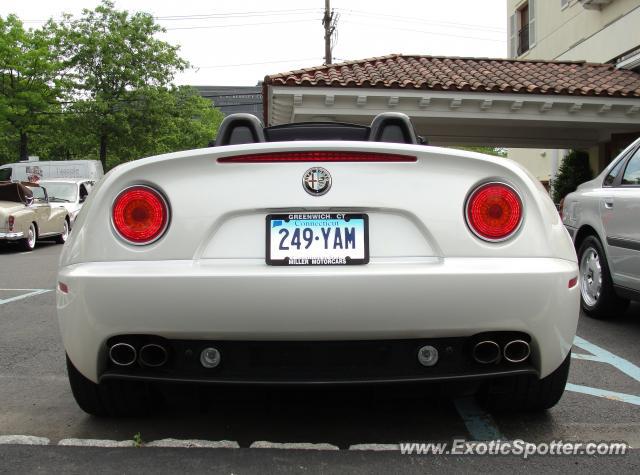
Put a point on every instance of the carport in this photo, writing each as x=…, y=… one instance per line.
x=471, y=101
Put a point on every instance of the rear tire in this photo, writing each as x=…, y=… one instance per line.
x=526, y=392
x=29, y=243
x=113, y=398
x=597, y=295
x=62, y=238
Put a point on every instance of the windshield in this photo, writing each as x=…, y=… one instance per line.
x=65, y=192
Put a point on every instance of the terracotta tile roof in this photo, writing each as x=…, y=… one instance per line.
x=436, y=73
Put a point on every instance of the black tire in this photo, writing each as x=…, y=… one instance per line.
x=115, y=398
x=526, y=392
x=62, y=238
x=28, y=244
x=607, y=304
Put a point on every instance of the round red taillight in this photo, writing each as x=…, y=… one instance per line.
x=140, y=214
x=494, y=211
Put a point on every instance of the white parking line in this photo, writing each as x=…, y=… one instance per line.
x=375, y=447
x=31, y=293
x=96, y=443
x=263, y=444
x=194, y=444
x=23, y=440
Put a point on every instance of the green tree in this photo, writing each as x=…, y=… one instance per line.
x=113, y=53
x=573, y=171
x=31, y=82
x=496, y=151
x=162, y=120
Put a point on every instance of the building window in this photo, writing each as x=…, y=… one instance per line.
x=523, y=31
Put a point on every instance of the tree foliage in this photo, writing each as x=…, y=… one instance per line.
x=573, y=171
x=96, y=86
x=31, y=80
x=496, y=151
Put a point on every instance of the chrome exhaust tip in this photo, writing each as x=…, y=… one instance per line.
x=122, y=354
x=153, y=355
x=486, y=352
x=516, y=351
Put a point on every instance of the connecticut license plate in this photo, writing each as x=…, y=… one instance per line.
x=317, y=239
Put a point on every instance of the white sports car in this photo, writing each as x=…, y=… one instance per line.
x=318, y=253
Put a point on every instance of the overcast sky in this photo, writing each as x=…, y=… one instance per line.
x=238, y=42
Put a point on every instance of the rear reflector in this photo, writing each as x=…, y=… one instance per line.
x=317, y=156
x=63, y=287
x=140, y=214
x=494, y=211
x=573, y=282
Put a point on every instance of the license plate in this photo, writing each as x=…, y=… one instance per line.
x=317, y=239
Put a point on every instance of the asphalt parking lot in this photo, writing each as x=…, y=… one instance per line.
x=602, y=403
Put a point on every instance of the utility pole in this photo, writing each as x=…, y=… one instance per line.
x=329, y=21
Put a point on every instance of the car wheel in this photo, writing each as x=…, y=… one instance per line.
x=526, y=392
x=113, y=398
x=29, y=243
x=597, y=294
x=62, y=238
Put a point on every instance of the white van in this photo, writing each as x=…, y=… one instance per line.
x=35, y=170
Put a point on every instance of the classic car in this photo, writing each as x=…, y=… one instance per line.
x=603, y=218
x=317, y=254
x=26, y=215
x=68, y=193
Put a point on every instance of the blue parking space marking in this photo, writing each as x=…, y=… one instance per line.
x=29, y=293
x=605, y=356
x=582, y=356
x=614, y=396
x=480, y=425
x=600, y=355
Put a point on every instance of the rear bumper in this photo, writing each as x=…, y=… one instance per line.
x=245, y=300
x=11, y=236
x=319, y=362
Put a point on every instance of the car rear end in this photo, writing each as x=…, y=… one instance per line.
x=440, y=289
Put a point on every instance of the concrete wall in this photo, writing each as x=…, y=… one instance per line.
x=538, y=161
x=577, y=33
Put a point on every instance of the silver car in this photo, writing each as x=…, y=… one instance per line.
x=68, y=193
x=603, y=219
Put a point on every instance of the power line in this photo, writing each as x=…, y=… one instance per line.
x=235, y=25
x=423, y=20
x=254, y=64
x=424, y=32
x=246, y=14
x=298, y=11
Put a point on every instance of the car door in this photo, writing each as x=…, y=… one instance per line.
x=620, y=211
x=41, y=208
